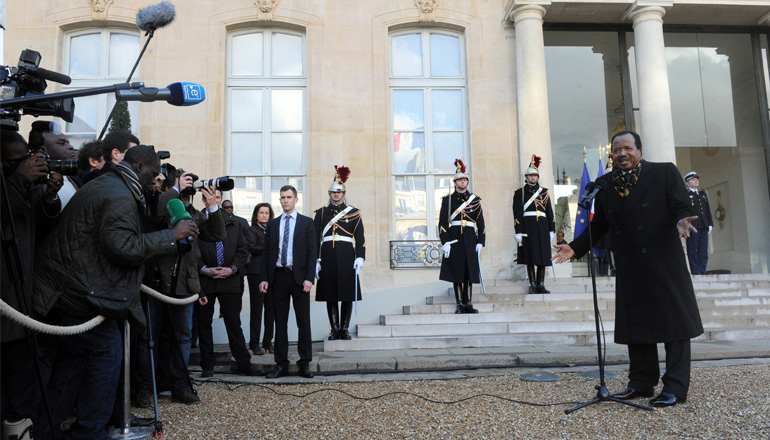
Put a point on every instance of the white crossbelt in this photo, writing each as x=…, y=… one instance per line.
x=534, y=213
x=337, y=238
x=460, y=223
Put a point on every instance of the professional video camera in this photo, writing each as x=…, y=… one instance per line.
x=29, y=79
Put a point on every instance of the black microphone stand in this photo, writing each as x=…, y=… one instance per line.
x=602, y=394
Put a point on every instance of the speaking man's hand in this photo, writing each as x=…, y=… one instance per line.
x=685, y=227
x=565, y=253
x=184, y=229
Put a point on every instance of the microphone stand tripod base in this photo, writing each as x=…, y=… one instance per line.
x=134, y=433
x=603, y=395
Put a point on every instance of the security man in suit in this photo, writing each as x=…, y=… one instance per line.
x=341, y=255
x=535, y=227
x=462, y=234
x=698, y=243
x=645, y=207
x=287, y=267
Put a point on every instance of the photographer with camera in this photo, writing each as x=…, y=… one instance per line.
x=47, y=137
x=212, y=228
x=32, y=209
x=94, y=265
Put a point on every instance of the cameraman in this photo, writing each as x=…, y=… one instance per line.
x=33, y=208
x=46, y=137
x=211, y=228
x=94, y=265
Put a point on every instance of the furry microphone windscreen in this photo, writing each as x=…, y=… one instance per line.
x=155, y=17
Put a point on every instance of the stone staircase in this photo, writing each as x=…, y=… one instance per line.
x=732, y=307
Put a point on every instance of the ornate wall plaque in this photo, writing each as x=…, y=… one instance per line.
x=99, y=9
x=427, y=8
x=265, y=9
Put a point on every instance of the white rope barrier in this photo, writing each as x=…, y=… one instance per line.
x=41, y=327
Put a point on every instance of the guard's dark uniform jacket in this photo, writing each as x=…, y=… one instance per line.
x=339, y=247
x=535, y=223
x=466, y=226
x=700, y=204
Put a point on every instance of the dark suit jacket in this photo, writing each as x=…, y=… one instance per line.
x=655, y=301
x=235, y=255
x=304, y=249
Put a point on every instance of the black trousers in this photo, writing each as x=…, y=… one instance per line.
x=645, y=371
x=286, y=291
x=257, y=301
x=230, y=307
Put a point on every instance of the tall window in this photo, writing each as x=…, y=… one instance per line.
x=428, y=125
x=95, y=58
x=266, y=131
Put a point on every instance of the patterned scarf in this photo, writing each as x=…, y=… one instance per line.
x=132, y=181
x=624, y=182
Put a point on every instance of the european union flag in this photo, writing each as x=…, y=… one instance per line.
x=598, y=252
x=582, y=219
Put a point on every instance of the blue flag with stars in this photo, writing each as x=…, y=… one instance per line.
x=598, y=252
x=581, y=219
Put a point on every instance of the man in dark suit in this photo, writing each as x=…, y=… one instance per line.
x=287, y=267
x=698, y=243
x=644, y=205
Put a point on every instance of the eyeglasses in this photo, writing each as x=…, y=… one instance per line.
x=227, y=207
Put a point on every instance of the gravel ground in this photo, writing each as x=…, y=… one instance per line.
x=724, y=403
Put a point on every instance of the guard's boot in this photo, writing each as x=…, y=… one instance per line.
x=345, y=314
x=334, y=319
x=531, y=278
x=541, y=280
x=467, y=295
x=458, y=298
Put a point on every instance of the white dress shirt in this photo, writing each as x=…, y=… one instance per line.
x=281, y=226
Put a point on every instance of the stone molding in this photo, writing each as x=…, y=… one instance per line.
x=527, y=12
x=99, y=9
x=265, y=9
x=647, y=10
x=427, y=10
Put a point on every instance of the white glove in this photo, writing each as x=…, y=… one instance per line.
x=358, y=264
x=552, y=235
x=518, y=238
x=445, y=249
x=710, y=228
x=317, y=268
x=478, y=247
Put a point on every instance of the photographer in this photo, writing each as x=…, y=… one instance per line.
x=33, y=208
x=46, y=137
x=94, y=265
x=211, y=228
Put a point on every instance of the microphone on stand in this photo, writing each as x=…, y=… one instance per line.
x=592, y=189
x=180, y=94
x=151, y=18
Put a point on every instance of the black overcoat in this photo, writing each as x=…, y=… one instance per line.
x=462, y=257
x=535, y=247
x=655, y=301
x=337, y=279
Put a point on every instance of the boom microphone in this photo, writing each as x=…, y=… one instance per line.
x=179, y=94
x=50, y=75
x=153, y=17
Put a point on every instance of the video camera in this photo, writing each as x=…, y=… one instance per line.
x=29, y=78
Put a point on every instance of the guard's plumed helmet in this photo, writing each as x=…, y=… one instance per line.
x=460, y=171
x=341, y=174
x=534, y=164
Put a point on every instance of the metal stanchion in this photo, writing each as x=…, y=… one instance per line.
x=128, y=432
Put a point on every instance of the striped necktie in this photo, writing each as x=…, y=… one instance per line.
x=220, y=254
x=285, y=244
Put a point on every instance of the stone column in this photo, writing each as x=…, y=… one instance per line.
x=656, y=126
x=532, y=92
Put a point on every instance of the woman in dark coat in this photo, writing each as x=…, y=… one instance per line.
x=255, y=240
x=462, y=234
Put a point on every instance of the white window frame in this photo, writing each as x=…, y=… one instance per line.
x=427, y=84
x=104, y=79
x=267, y=83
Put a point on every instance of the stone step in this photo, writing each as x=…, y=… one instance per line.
x=523, y=298
x=427, y=330
x=484, y=318
x=514, y=339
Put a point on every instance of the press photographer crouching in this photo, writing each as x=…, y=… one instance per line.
x=94, y=266
x=185, y=267
x=46, y=137
x=28, y=209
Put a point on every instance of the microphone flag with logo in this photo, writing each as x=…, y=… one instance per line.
x=177, y=212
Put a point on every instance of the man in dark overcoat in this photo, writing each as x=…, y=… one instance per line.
x=644, y=205
x=462, y=234
x=698, y=243
x=534, y=225
x=340, y=256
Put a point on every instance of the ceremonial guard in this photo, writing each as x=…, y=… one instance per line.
x=698, y=243
x=340, y=256
x=461, y=230
x=534, y=225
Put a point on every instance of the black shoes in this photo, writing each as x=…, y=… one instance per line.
x=144, y=400
x=257, y=350
x=541, y=289
x=631, y=393
x=279, y=372
x=207, y=372
x=469, y=308
x=185, y=396
x=665, y=399
x=343, y=335
x=246, y=370
x=304, y=371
